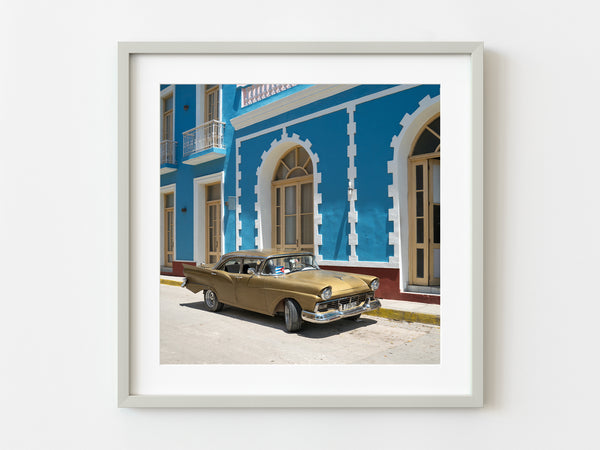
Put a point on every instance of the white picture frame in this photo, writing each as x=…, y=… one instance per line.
x=470, y=261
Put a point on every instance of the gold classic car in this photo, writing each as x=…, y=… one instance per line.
x=271, y=281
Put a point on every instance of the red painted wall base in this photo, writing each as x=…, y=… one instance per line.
x=389, y=284
x=178, y=268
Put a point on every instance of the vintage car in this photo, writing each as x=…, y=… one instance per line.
x=272, y=281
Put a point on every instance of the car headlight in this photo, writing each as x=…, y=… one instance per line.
x=326, y=293
x=374, y=284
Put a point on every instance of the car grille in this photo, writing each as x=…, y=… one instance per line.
x=336, y=303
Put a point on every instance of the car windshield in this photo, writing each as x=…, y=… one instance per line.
x=289, y=264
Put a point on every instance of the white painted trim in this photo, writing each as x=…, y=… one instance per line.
x=200, y=101
x=238, y=195
x=352, y=193
x=264, y=174
x=296, y=100
x=167, y=190
x=170, y=89
x=398, y=190
x=163, y=94
x=373, y=264
x=324, y=112
x=199, y=199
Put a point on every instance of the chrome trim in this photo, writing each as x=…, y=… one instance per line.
x=332, y=316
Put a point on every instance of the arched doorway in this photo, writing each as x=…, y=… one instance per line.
x=292, y=202
x=424, y=206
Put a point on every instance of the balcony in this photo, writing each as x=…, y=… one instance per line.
x=167, y=156
x=204, y=143
x=257, y=92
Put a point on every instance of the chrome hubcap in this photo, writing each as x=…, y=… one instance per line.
x=210, y=298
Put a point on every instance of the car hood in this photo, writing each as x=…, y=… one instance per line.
x=340, y=282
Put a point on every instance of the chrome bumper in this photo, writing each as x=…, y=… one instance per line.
x=332, y=316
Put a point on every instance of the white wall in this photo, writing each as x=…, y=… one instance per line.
x=58, y=282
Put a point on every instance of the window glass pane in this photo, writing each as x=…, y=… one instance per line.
x=232, y=266
x=167, y=103
x=302, y=156
x=290, y=159
x=436, y=224
x=298, y=172
x=169, y=201
x=436, y=183
x=213, y=192
x=419, y=177
x=290, y=230
x=278, y=196
x=306, y=200
x=306, y=223
x=309, y=168
x=436, y=262
x=290, y=200
x=420, y=263
x=420, y=229
x=435, y=126
x=278, y=231
x=427, y=143
x=419, y=204
x=211, y=239
x=281, y=172
x=250, y=263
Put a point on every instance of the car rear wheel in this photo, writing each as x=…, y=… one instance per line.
x=293, y=317
x=211, y=301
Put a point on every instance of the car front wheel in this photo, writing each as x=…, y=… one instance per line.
x=293, y=317
x=211, y=301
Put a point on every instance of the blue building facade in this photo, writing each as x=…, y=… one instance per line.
x=349, y=172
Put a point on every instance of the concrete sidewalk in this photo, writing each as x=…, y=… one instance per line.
x=390, y=309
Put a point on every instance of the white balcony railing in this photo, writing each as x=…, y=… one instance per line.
x=257, y=92
x=167, y=152
x=208, y=135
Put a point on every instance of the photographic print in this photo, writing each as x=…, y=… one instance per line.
x=300, y=224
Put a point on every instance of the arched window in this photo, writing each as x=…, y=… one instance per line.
x=292, y=194
x=424, y=206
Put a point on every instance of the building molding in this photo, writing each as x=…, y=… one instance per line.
x=167, y=189
x=324, y=112
x=352, y=192
x=288, y=103
x=199, y=202
x=238, y=196
x=262, y=189
x=398, y=190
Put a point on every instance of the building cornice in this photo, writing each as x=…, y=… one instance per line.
x=288, y=103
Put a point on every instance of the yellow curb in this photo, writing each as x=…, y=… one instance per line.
x=406, y=316
x=171, y=282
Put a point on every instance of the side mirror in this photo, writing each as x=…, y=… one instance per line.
x=251, y=270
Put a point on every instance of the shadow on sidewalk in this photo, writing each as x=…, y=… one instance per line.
x=308, y=331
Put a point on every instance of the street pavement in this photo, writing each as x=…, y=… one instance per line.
x=190, y=334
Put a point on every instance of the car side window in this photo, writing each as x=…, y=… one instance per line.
x=251, y=263
x=232, y=265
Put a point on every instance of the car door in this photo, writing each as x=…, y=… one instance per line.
x=224, y=280
x=248, y=287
